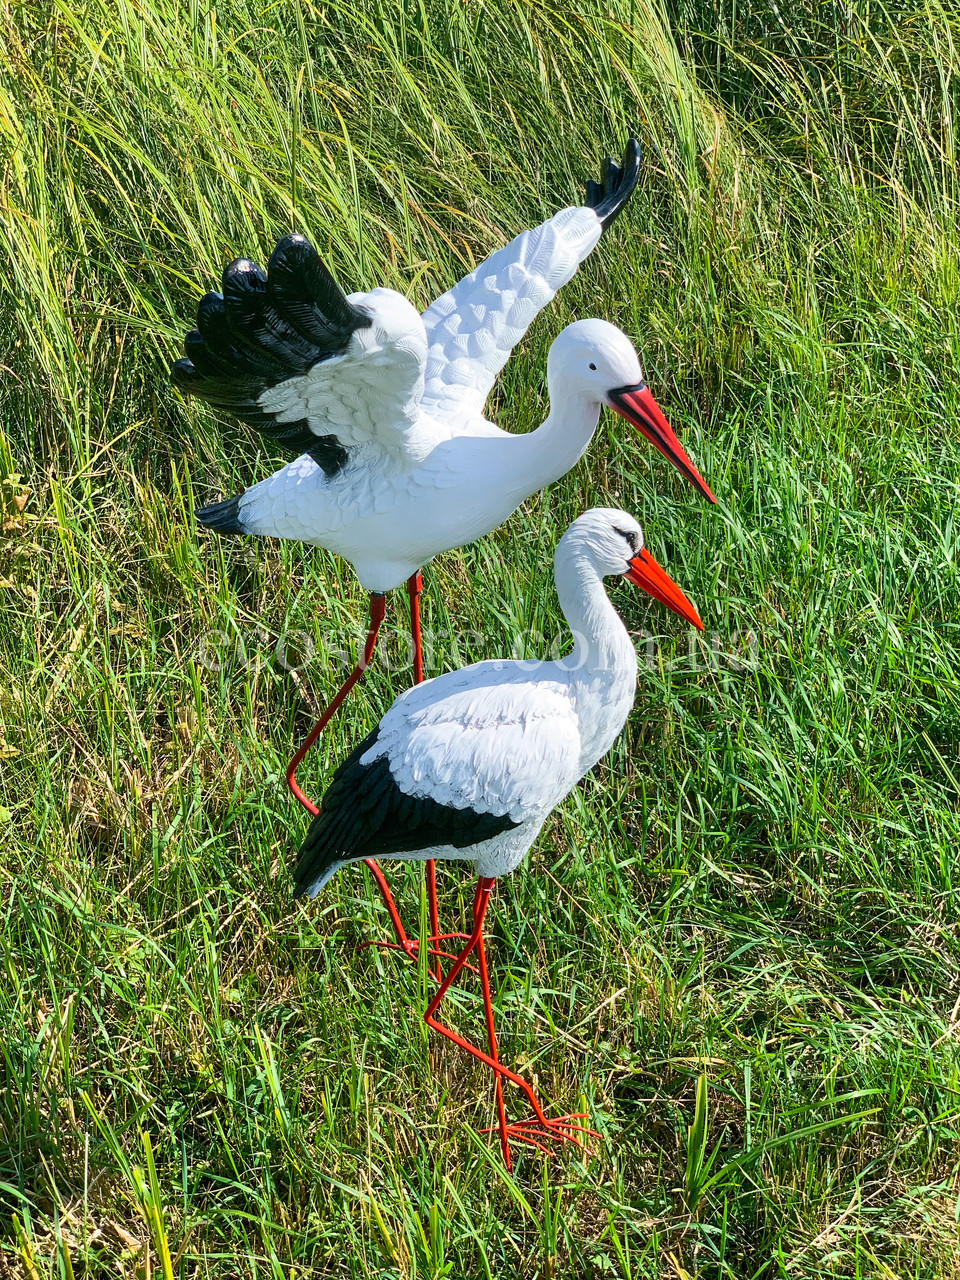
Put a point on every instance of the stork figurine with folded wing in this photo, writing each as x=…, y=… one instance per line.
x=469, y=765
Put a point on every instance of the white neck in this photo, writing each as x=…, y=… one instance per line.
x=602, y=643
x=602, y=669
x=556, y=445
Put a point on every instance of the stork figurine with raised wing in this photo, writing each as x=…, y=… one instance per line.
x=385, y=408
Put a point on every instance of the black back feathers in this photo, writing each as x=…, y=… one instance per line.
x=617, y=183
x=263, y=330
x=364, y=814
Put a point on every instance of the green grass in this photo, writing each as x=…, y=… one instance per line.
x=738, y=940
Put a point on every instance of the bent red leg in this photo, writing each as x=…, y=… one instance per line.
x=411, y=948
x=414, y=591
x=378, y=608
x=561, y=1129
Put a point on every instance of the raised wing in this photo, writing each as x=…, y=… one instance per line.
x=473, y=327
x=312, y=370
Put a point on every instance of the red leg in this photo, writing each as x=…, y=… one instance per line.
x=563, y=1128
x=414, y=590
x=378, y=607
x=492, y=1043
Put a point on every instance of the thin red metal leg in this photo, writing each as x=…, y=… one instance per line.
x=492, y=1044
x=561, y=1129
x=415, y=590
x=378, y=608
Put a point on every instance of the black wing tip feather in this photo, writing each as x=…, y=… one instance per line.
x=364, y=814
x=291, y=250
x=318, y=854
x=181, y=371
x=241, y=267
x=265, y=328
x=617, y=184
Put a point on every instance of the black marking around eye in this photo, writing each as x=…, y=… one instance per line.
x=631, y=537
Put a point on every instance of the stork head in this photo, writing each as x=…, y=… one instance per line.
x=595, y=360
x=612, y=542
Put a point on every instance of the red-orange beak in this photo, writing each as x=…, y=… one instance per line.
x=638, y=406
x=644, y=572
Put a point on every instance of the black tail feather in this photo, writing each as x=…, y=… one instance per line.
x=222, y=516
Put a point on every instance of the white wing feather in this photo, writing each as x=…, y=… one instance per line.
x=490, y=738
x=371, y=394
x=473, y=327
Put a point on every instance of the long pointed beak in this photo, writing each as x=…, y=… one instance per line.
x=638, y=406
x=645, y=573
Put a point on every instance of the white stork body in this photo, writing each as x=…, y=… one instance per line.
x=389, y=513
x=468, y=766
x=386, y=408
x=490, y=750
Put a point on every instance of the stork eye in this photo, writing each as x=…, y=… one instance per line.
x=632, y=539
x=593, y=366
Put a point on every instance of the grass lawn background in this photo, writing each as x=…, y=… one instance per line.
x=737, y=941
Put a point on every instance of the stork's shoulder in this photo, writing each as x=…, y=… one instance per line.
x=369, y=395
x=496, y=691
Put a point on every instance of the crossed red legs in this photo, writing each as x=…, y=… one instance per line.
x=538, y=1129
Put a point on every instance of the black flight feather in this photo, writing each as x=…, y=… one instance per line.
x=617, y=183
x=262, y=330
x=364, y=814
